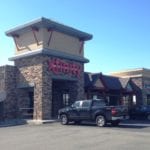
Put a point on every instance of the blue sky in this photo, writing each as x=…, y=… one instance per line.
x=120, y=28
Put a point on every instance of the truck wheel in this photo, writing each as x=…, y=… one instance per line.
x=115, y=123
x=148, y=116
x=100, y=121
x=64, y=119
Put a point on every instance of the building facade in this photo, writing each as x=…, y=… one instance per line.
x=115, y=90
x=141, y=79
x=49, y=69
x=48, y=74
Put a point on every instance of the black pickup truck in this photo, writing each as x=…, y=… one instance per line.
x=92, y=110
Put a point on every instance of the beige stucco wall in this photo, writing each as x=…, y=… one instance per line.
x=62, y=42
x=126, y=74
x=26, y=42
x=133, y=73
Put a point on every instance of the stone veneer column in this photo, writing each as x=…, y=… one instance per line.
x=30, y=70
x=35, y=70
x=80, y=85
x=10, y=103
x=8, y=86
x=46, y=92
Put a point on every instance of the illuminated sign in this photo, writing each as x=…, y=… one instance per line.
x=58, y=66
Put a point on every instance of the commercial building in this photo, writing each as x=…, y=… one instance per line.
x=115, y=90
x=141, y=79
x=48, y=74
x=48, y=71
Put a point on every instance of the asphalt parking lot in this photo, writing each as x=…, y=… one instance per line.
x=128, y=136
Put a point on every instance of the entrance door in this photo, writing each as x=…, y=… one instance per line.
x=28, y=109
x=65, y=97
x=61, y=90
x=1, y=110
x=60, y=99
x=31, y=102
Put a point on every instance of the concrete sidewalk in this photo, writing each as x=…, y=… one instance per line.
x=15, y=122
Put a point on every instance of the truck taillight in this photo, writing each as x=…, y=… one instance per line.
x=113, y=111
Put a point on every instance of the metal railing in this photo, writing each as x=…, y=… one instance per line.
x=26, y=112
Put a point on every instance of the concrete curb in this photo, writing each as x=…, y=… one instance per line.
x=17, y=122
x=8, y=123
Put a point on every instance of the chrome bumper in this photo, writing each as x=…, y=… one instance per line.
x=120, y=118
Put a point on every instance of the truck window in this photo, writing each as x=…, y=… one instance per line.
x=98, y=103
x=86, y=103
x=77, y=104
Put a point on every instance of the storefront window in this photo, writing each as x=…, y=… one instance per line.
x=148, y=99
x=125, y=100
x=134, y=99
x=94, y=96
x=65, y=99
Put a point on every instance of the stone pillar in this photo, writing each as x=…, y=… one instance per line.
x=80, y=85
x=30, y=72
x=46, y=93
x=10, y=103
x=37, y=114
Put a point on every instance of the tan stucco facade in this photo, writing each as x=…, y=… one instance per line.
x=52, y=40
x=141, y=72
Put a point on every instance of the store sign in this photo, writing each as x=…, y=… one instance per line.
x=58, y=66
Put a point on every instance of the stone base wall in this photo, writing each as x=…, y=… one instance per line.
x=8, y=85
x=34, y=72
x=30, y=75
x=2, y=91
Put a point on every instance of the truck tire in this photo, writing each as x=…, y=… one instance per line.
x=100, y=121
x=64, y=119
x=148, y=116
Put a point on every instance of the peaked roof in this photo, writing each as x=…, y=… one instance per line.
x=109, y=82
x=124, y=81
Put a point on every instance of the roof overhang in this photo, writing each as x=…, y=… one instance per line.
x=50, y=53
x=49, y=24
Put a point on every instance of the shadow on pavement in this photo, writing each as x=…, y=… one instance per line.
x=137, y=124
x=13, y=122
x=130, y=124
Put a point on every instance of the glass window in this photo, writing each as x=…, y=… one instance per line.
x=66, y=99
x=134, y=99
x=98, y=103
x=94, y=96
x=148, y=99
x=86, y=103
x=77, y=104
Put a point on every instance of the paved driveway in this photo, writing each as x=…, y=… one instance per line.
x=128, y=136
